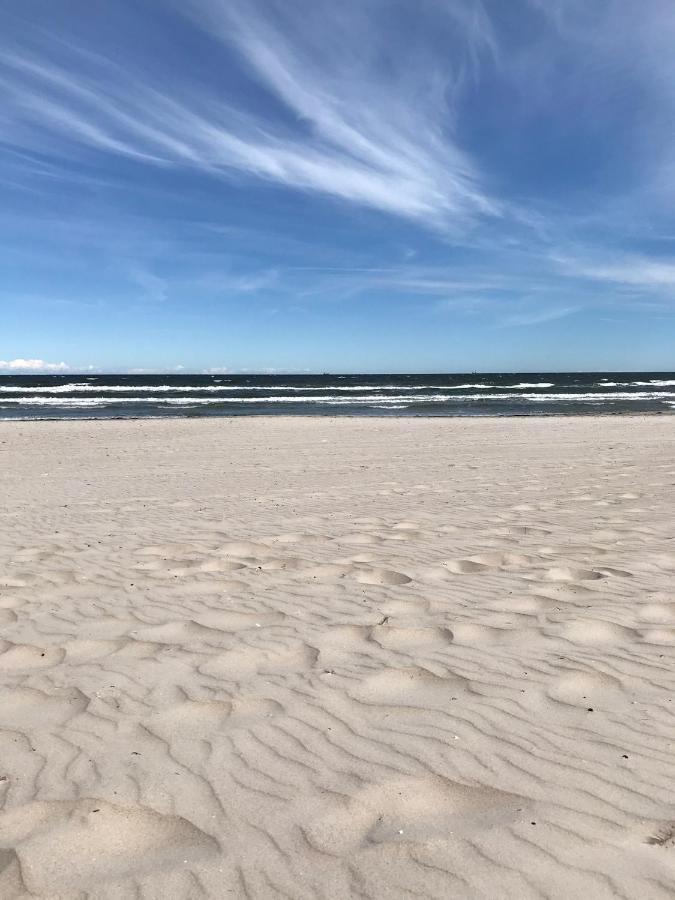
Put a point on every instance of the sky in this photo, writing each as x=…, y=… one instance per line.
x=362, y=186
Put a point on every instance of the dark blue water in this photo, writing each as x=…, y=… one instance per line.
x=543, y=393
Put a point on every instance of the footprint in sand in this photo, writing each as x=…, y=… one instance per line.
x=26, y=658
x=498, y=560
x=344, y=637
x=136, y=649
x=665, y=561
x=664, y=636
x=359, y=571
x=565, y=593
x=468, y=634
x=8, y=602
x=244, y=549
x=297, y=537
x=80, y=651
x=340, y=644
x=605, y=536
x=563, y=573
x=657, y=613
x=404, y=607
x=381, y=577
x=247, y=662
x=16, y=581
x=584, y=689
x=365, y=558
x=239, y=621
x=192, y=719
x=404, y=534
x=516, y=531
x=71, y=848
x=411, y=810
x=409, y=687
x=396, y=638
x=270, y=564
x=359, y=537
x=328, y=571
x=170, y=551
x=180, y=568
x=662, y=834
x=527, y=605
x=185, y=632
x=214, y=564
x=465, y=567
x=106, y=627
x=200, y=720
x=27, y=709
x=594, y=632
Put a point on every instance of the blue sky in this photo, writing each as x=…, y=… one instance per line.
x=370, y=185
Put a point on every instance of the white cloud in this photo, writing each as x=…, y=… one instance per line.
x=642, y=273
x=538, y=316
x=215, y=370
x=242, y=283
x=629, y=271
x=382, y=135
x=32, y=366
x=347, y=124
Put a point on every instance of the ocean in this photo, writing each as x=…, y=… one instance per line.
x=142, y=396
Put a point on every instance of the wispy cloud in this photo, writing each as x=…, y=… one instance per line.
x=628, y=271
x=537, y=316
x=369, y=125
x=375, y=127
x=228, y=282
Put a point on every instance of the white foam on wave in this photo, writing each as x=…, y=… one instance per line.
x=200, y=401
x=655, y=382
x=337, y=400
x=85, y=388
x=101, y=389
x=45, y=389
x=53, y=401
x=599, y=396
x=75, y=402
x=80, y=388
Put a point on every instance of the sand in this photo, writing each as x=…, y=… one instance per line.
x=336, y=658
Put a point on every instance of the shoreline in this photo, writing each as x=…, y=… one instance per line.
x=350, y=416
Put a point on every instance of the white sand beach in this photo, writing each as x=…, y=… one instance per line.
x=337, y=658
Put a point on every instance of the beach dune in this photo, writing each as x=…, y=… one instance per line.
x=336, y=658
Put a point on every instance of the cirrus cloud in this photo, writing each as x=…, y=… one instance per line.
x=338, y=126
